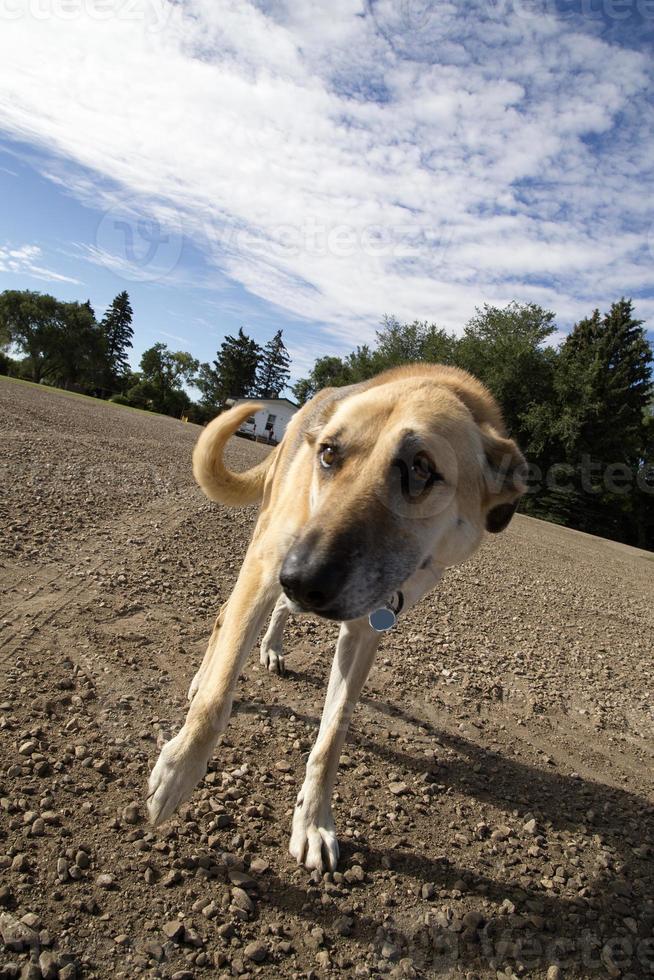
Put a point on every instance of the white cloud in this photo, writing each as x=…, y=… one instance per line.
x=344, y=159
x=25, y=260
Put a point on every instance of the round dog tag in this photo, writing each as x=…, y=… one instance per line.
x=382, y=619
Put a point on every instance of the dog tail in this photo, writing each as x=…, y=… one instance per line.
x=218, y=482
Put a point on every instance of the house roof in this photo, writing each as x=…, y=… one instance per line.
x=264, y=401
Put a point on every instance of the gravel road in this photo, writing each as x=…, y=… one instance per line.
x=494, y=803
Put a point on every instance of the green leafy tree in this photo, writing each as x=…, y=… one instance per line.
x=77, y=350
x=395, y=344
x=61, y=341
x=327, y=372
x=28, y=320
x=273, y=371
x=116, y=326
x=164, y=374
x=398, y=343
x=505, y=347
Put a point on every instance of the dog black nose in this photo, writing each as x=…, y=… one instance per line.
x=310, y=579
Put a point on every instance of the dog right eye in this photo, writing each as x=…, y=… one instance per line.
x=327, y=456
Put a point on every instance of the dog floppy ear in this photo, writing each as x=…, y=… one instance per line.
x=505, y=472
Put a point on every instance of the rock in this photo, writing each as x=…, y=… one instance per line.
x=32, y=920
x=131, y=813
x=473, y=920
x=173, y=930
x=256, y=952
x=554, y=973
x=343, y=925
x=241, y=880
x=38, y=827
x=154, y=950
x=49, y=965
x=354, y=875
x=16, y=936
x=20, y=863
x=531, y=827
x=608, y=959
x=389, y=951
x=82, y=860
x=105, y=881
x=193, y=938
x=242, y=900
x=31, y=971
x=258, y=866
x=398, y=789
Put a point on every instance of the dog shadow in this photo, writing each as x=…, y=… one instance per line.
x=607, y=926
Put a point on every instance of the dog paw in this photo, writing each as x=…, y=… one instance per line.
x=179, y=768
x=272, y=659
x=195, y=685
x=313, y=840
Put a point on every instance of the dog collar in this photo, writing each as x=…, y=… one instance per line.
x=385, y=617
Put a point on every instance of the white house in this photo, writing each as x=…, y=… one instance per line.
x=269, y=424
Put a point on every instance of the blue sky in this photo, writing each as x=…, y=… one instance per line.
x=313, y=166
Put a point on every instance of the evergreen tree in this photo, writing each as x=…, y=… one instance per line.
x=273, y=370
x=235, y=367
x=599, y=424
x=117, y=328
x=208, y=384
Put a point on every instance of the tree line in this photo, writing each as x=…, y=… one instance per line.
x=65, y=345
x=581, y=410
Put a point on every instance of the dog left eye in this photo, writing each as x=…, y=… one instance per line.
x=424, y=470
x=327, y=456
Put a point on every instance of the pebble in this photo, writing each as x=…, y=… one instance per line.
x=131, y=813
x=473, y=920
x=16, y=936
x=173, y=930
x=242, y=900
x=49, y=965
x=257, y=952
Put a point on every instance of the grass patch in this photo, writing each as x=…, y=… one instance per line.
x=89, y=398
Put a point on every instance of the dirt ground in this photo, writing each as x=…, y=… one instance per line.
x=495, y=802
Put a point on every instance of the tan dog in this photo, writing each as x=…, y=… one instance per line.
x=373, y=492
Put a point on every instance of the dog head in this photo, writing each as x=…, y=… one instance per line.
x=404, y=472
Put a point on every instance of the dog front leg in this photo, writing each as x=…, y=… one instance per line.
x=183, y=761
x=313, y=838
x=211, y=647
x=272, y=652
